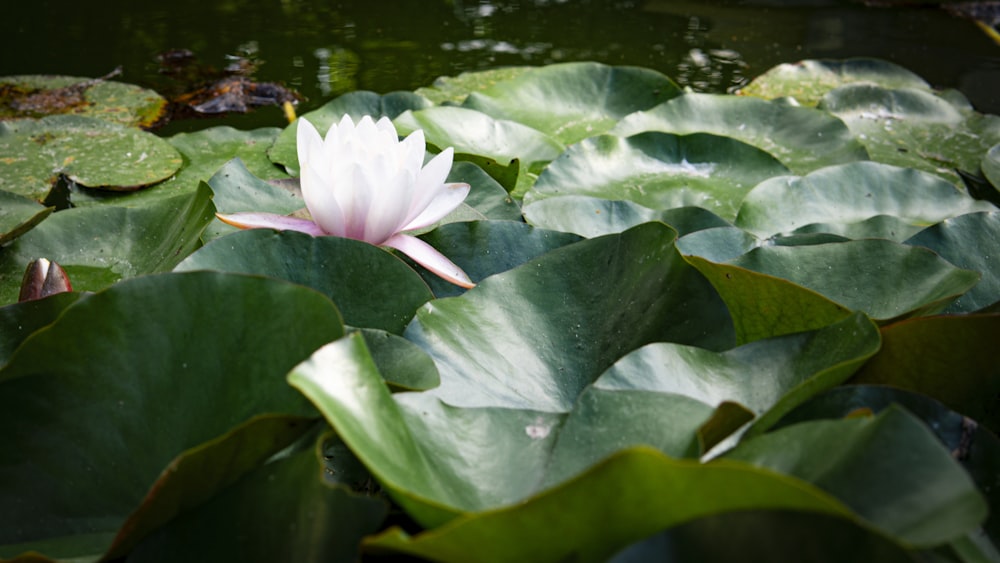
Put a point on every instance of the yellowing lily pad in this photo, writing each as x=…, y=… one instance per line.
x=89, y=151
x=39, y=95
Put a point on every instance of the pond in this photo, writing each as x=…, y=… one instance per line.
x=323, y=49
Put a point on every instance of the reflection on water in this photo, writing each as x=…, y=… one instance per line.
x=326, y=48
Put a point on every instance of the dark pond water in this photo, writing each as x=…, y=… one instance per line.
x=326, y=48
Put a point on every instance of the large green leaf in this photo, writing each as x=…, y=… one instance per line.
x=659, y=171
x=950, y=358
x=535, y=336
x=18, y=215
x=98, y=246
x=590, y=216
x=768, y=536
x=356, y=104
x=803, y=139
x=439, y=462
x=485, y=248
x=472, y=132
x=972, y=242
x=40, y=95
x=352, y=273
x=283, y=511
x=975, y=447
x=915, y=128
x=890, y=469
x=886, y=280
x=769, y=377
x=486, y=196
x=89, y=151
x=455, y=89
x=838, y=197
x=104, y=398
x=763, y=306
x=573, y=101
x=991, y=166
x=19, y=320
x=807, y=81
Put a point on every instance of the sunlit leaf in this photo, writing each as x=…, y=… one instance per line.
x=455, y=88
x=590, y=216
x=808, y=81
x=659, y=171
x=839, y=197
x=18, y=215
x=803, y=139
x=573, y=101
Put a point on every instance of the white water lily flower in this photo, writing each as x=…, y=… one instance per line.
x=362, y=182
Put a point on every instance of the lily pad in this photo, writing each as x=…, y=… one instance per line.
x=535, y=336
x=356, y=104
x=971, y=241
x=89, y=151
x=454, y=89
x=886, y=280
x=949, y=358
x=914, y=128
x=878, y=466
x=803, y=139
x=421, y=449
x=843, y=196
x=98, y=246
x=592, y=216
x=18, y=215
x=20, y=320
x=808, y=81
x=659, y=171
x=718, y=244
x=475, y=133
x=991, y=166
x=84, y=415
x=573, y=101
x=351, y=273
x=41, y=95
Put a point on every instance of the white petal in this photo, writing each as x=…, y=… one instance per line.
x=430, y=183
x=307, y=140
x=321, y=200
x=447, y=200
x=271, y=221
x=428, y=257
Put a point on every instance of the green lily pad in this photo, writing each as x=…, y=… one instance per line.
x=20, y=320
x=356, y=104
x=573, y=101
x=659, y=171
x=890, y=469
x=718, y=244
x=89, y=151
x=535, y=336
x=886, y=280
x=763, y=306
x=914, y=128
x=18, y=215
x=455, y=89
x=803, y=139
x=40, y=95
x=808, y=81
x=949, y=358
x=403, y=365
x=422, y=451
x=991, y=166
x=98, y=246
x=972, y=242
x=236, y=189
x=353, y=274
x=768, y=535
x=487, y=196
x=841, y=197
x=975, y=447
x=475, y=133
x=83, y=397
x=284, y=510
x=592, y=217
x=485, y=248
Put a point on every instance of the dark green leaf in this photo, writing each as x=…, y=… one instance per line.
x=18, y=215
x=20, y=320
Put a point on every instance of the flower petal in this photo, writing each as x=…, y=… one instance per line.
x=450, y=197
x=271, y=221
x=428, y=257
x=430, y=183
x=307, y=141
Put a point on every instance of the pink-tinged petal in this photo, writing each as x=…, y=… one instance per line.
x=450, y=197
x=271, y=221
x=430, y=183
x=428, y=257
